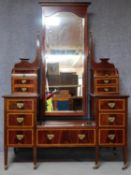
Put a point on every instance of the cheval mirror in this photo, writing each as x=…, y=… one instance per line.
x=64, y=57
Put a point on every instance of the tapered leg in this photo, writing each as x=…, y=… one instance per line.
x=125, y=158
x=6, y=158
x=97, y=158
x=35, y=157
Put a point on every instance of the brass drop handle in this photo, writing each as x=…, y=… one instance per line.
x=19, y=137
x=106, y=81
x=107, y=74
x=23, y=81
x=20, y=120
x=111, y=104
x=111, y=119
x=50, y=136
x=81, y=136
x=23, y=89
x=20, y=105
x=111, y=136
x=106, y=89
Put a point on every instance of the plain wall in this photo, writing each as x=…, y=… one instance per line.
x=109, y=22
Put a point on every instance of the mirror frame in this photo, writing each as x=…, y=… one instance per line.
x=79, y=9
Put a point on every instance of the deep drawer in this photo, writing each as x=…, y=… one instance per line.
x=109, y=137
x=111, y=119
x=20, y=138
x=20, y=120
x=66, y=137
x=111, y=104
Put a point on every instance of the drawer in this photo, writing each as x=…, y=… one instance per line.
x=112, y=119
x=20, y=104
x=20, y=138
x=20, y=120
x=24, y=89
x=112, y=137
x=106, y=89
x=111, y=104
x=106, y=81
x=66, y=137
x=24, y=81
x=105, y=73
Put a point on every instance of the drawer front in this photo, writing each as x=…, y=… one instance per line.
x=111, y=104
x=20, y=138
x=24, y=81
x=106, y=89
x=20, y=120
x=66, y=137
x=112, y=119
x=106, y=81
x=111, y=137
x=105, y=73
x=21, y=105
x=24, y=89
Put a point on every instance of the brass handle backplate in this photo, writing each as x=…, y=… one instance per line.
x=50, y=136
x=81, y=136
x=111, y=105
x=106, y=81
x=20, y=120
x=23, y=81
x=106, y=89
x=20, y=137
x=23, y=89
x=111, y=136
x=20, y=105
x=111, y=119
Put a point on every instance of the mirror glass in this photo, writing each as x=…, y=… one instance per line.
x=64, y=62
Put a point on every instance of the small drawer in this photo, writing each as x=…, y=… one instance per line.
x=106, y=89
x=106, y=81
x=111, y=104
x=66, y=137
x=20, y=105
x=24, y=81
x=20, y=120
x=20, y=138
x=105, y=73
x=24, y=89
x=111, y=119
x=110, y=137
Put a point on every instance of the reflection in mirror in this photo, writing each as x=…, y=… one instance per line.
x=64, y=58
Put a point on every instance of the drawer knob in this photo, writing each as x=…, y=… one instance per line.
x=81, y=136
x=111, y=104
x=106, y=89
x=50, y=136
x=23, y=89
x=20, y=120
x=111, y=119
x=20, y=105
x=106, y=81
x=20, y=137
x=111, y=136
x=23, y=81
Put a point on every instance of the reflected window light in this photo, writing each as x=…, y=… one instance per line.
x=56, y=58
x=37, y=43
x=51, y=21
